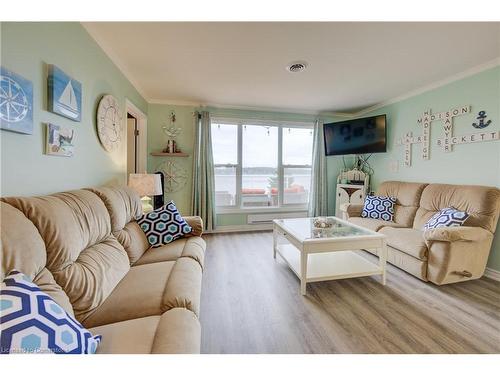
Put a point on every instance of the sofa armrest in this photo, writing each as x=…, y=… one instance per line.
x=453, y=234
x=351, y=210
x=196, y=223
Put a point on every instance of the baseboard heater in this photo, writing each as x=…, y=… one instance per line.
x=268, y=218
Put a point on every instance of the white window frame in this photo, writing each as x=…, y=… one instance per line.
x=281, y=207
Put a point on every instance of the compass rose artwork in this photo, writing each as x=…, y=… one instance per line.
x=16, y=102
x=175, y=176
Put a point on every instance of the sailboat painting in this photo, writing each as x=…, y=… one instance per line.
x=59, y=140
x=64, y=94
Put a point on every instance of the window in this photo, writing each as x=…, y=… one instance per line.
x=261, y=164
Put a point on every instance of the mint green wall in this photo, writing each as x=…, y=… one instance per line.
x=475, y=164
x=26, y=48
x=159, y=116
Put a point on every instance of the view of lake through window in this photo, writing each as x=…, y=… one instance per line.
x=252, y=168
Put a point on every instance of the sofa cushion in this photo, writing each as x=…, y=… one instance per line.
x=407, y=196
x=84, y=257
x=373, y=224
x=135, y=336
x=408, y=240
x=23, y=249
x=193, y=247
x=164, y=225
x=124, y=207
x=177, y=331
x=140, y=293
x=482, y=203
x=32, y=322
x=408, y=263
x=151, y=289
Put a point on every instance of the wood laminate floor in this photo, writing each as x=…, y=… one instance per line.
x=251, y=304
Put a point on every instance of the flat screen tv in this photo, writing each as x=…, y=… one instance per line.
x=360, y=136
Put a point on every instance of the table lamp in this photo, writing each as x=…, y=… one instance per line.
x=145, y=185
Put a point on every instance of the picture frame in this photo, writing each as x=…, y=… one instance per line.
x=64, y=94
x=16, y=102
x=59, y=140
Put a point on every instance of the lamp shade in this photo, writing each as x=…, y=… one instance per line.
x=145, y=184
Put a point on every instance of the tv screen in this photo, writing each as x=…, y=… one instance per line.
x=359, y=136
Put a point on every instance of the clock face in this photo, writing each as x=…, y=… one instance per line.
x=109, y=123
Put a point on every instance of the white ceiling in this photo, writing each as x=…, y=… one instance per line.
x=351, y=65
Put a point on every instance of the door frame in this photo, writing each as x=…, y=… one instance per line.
x=142, y=141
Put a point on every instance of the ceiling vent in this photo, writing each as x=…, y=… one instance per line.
x=297, y=67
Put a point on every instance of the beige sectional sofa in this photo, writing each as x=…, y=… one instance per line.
x=85, y=249
x=442, y=255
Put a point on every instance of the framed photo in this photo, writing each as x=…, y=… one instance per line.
x=59, y=140
x=16, y=102
x=64, y=94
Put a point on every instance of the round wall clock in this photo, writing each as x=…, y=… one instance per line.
x=109, y=123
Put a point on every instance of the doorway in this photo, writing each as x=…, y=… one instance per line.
x=132, y=142
x=136, y=139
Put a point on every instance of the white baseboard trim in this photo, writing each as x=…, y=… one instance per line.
x=492, y=274
x=241, y=228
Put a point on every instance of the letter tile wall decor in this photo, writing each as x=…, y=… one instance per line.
x=449, y=140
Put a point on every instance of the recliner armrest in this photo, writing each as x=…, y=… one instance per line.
x=351, y=210
x=196, y=223
x=452, y=234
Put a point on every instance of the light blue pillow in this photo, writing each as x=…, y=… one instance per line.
x=381, y=208
x=164, y=225
x=447, y=217
x=32, y=322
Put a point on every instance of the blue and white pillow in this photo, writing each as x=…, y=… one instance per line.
x=381, y=208
x=447, y=217
x=32, y=322
x=164, y=225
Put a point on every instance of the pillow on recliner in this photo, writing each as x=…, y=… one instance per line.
x=164, y=225
x=381, y=208
x=32, y=322
x=447, y=217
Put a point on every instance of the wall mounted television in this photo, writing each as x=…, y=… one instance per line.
x=359, y=136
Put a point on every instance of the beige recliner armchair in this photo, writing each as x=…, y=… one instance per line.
x=443, y=255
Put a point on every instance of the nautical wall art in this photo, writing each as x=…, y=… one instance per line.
x=16, y=102
x=64, y=94
x=449, y=140
x=60, y=140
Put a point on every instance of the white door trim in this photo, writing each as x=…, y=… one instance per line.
x=142, y=126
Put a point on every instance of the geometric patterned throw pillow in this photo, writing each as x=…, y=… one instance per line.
x=32, y=322
x=164, y=225
x=447, y=217
x=381, y=208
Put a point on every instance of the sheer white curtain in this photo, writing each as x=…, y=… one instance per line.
x=318, y=201
x=203, y=193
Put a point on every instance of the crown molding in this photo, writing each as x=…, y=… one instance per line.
x=247, y=108
x=469, y=72
x=108, y=51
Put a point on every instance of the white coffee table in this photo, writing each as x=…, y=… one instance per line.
x=320, y=255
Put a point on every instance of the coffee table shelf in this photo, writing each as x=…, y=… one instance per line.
x=329, y=266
